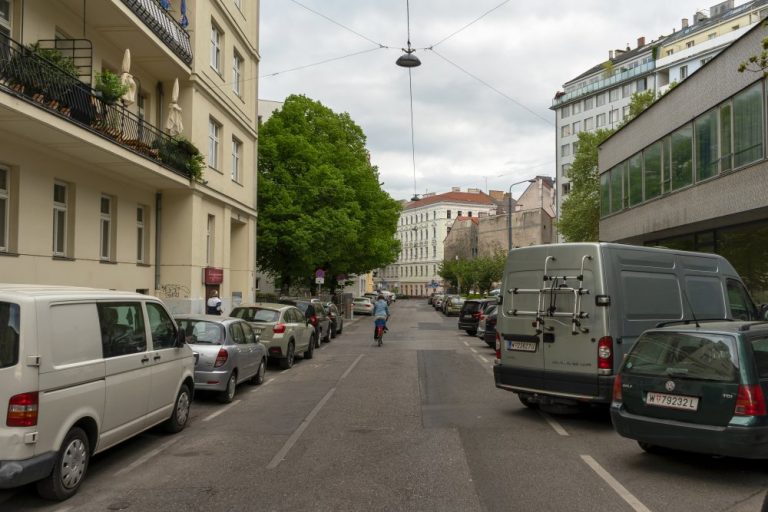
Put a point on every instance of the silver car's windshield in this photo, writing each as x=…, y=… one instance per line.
x=202, y=331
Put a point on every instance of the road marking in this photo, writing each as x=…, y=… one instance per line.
x=262, y=385
x=615, y=485
x=483, y=359
x=344, y=376
x=473, y=350
x=555, y=425
x=65, y=509
x=145, y=458
x=221, y=411
x=466, y=343
x=280, y=456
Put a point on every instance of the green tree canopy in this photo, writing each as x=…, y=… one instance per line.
x=477, y=274
x=319, y=198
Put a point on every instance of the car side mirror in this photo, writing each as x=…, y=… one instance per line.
x=181, y=339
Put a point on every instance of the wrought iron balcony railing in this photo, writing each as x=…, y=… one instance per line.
x=29, y=76
x=164, y=27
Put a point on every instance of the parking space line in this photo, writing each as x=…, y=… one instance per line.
x=466, y=343
x=483, y=359
x=266, y=382
x=344, y=376
x=280, y=456
x=615, y=485
x=145, y=458
x=473, y=350
x=221, y=411
x=555, y=425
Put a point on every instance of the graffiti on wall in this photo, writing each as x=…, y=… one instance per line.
x=173, y=291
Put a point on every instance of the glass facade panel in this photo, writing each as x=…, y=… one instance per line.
x=681, y=157
x=726, y=140
x=635, y=181
x=617, y=186
x=706, y=146
x=605, y=194
x=748, y=125
x=652, y=171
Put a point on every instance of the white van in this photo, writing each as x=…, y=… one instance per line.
x=82, y=370
x=571, y=311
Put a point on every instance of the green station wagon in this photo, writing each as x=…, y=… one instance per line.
x=698, y=388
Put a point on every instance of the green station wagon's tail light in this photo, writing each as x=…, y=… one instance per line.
x=750, y=401
x=617, y=396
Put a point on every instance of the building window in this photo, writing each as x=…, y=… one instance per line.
x=60, y=204
x=600, y=120
x=625, y=111
x=5, y=17
x=689, y=44
x=239, y=4
x=4, y=208
x=605, y=194
x=141, y=233
x=748, y=126
x=565, y=150
x=614, y=95
x=706, y=145
x=469, y=214
x=634, y=185
x=652, y=171
x=575, y=147
x=712, y=35
x=681, y=157
x=617, y=187
x=600, y=99
x=589, y=123
x=237, y=155
x=641, y=84
x=626, y=90
x=210, y=237
x=214, y=134
x=216, y=48
x=683, y=72
x=566, y=189
x=670, y=52
x=576, y=108
x=565, y=131
x=565, y=169
x=237, y=74
x=589, y=103
x=614, y=116
x=449, y=214
x=565, y=112
x=105, y=233
x=576, y=127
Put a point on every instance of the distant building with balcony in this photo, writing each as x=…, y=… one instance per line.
x=94, y=191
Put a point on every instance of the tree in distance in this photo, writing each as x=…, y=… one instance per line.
x=320, y=202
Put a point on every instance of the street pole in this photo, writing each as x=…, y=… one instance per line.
x=509, y=212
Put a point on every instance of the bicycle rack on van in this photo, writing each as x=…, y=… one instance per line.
x=552, y=291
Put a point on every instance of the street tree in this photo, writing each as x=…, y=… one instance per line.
x=319, y=198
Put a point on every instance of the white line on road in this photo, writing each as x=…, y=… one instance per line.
x=483, y=359
x=145, y=458
x=615, y=485
x=221, y=411
x=280, y=456
x=555, y=425
x=344, y=376
x=266, y=382
x=467, y=344
x=473, y=350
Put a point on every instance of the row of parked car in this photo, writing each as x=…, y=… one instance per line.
x=448, y=304
x=82, y=370
x=364, y=305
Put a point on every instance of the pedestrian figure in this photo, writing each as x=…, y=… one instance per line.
x=214, y=304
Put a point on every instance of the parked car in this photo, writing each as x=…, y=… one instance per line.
x=699, y=387
x=82, y=370
x=315, y=313
x=472, y=313
x=371, y=295
x=336, y=318
x=362, y=306
x=489, y=331
x=283, y=329
x=388, y=296
x=453, y=306
x=444, y=303
x=574, y=310
x=437, y=300
x=430, y=298
x=227, y=353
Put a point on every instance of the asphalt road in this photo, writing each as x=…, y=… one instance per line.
x=414, y=425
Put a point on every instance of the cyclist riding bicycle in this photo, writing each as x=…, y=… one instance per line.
x=380, y=314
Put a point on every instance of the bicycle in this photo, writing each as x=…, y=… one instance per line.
x=380, y=328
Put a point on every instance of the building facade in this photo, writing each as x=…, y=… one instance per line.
x=95, y=190
x=691, y=171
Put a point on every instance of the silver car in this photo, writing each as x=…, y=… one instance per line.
x=227, y=352
x=283, y=329
x=362, y=306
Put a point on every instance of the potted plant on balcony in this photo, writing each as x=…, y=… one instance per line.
x=110, y=86
x=181, y=154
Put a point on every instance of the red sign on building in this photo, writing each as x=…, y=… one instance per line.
x=213, y=275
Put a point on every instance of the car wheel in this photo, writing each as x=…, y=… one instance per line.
x=310, y=352
x=287, y=361
x=526, y=401
x=180, y=416
x=471, y=332
x=69, y=469
x=259, y=377
x=228, y=394
x=327, y=338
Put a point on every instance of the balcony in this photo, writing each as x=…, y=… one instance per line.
x=163, y=26
x=28, y=76
x=617, y=78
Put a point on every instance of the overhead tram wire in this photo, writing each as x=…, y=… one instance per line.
x=340, y=24
x=326, y=61
x=486, y=13
x=513, y=100
x=410, y=94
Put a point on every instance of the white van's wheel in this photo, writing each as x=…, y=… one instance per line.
x=180, y=416
x=69, y=469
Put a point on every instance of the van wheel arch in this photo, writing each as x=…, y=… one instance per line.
x=91, y=430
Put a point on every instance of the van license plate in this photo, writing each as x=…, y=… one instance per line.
x=686, y=403
x=522, y=346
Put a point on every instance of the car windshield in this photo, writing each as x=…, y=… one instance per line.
x=9, y=334
x=256, y=314
x=202, y=331
x=684, y=355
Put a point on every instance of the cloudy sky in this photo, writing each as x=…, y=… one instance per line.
x=480, y=98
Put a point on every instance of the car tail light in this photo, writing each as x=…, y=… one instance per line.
x=278, y=328
x=22, y=410
x=498, y=346
x=605, y=354
x=617, y=397
x=221, y=358
x=313, y=320
x=750, y=401
x=477, y=315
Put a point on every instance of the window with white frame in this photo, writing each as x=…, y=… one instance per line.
x=589, y=123
x=105, y=233
x=60, y=203
x=565, y=150
x=141, y=215
x=4, y=208
x=216, y=48
x=565, y=131
x=589, y=103
x=565, y=169
x=214, y=136
x=237, y=156
x=210, y=237
x=683, y=72
x=237, y=74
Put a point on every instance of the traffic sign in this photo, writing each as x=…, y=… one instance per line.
x=319, y=280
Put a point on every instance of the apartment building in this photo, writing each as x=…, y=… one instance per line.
x=691, y=171
x=94, y=189
x=421, y=230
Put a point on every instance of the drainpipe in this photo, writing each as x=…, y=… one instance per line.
x=158, y=210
